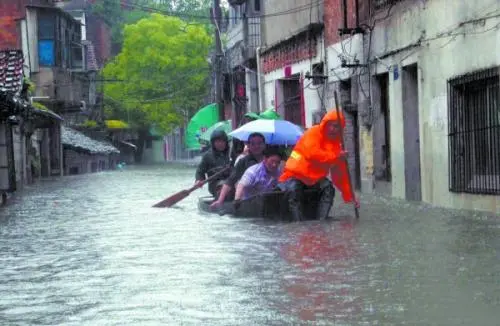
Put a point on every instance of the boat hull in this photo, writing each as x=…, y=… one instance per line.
x=270, y=205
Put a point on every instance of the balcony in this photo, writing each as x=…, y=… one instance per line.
x=243, y=40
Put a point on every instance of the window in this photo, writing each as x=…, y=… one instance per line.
x=257, y=5
x=474, y=132
x=46, y=39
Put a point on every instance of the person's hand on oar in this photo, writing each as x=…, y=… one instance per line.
x=177, y=197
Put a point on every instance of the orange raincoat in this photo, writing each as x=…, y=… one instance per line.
x=315, y=156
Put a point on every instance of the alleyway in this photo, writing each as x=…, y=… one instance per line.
x=90, y=250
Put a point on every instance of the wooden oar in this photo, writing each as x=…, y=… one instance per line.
x=177, y=197
x=356, y=210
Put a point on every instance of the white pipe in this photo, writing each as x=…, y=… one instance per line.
x=259, y=79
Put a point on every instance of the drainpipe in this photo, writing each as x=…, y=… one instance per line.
x=259, y=80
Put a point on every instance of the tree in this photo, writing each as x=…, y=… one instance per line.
x=117, y=13
x=162, y=72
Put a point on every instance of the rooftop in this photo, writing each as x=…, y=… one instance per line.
x=79, y=141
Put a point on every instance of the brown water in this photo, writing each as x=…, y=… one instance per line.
x=89, y=250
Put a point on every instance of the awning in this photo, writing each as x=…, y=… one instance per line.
x=78, y=141
x=128, y=144
x=199, y=123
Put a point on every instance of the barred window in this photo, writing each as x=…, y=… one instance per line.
x=474, y=132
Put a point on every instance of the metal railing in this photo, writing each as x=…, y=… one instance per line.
x=474, y=132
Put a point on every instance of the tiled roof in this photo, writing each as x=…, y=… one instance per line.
x=76, y=139
x=11, y=70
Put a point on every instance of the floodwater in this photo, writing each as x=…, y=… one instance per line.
x=90, y=250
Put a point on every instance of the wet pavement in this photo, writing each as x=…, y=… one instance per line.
x=90, y=250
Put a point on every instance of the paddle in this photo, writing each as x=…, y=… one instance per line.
x=177, y=197
x=356, y=210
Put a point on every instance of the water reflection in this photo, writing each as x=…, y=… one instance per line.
x=324, y=258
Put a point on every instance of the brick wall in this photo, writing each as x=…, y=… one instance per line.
x=289, y=52
x=334, y=17
x=10, y=11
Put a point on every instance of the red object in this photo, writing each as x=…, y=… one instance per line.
x=315, y=156
x=302, y=102
x=288, y=71
x=241, y=91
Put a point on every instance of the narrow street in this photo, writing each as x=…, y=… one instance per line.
x=90, y=250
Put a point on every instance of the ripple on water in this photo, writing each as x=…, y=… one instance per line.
x=90, y=250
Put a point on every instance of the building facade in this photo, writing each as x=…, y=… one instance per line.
x=439, y=80
x=243, y=42
x=293, y=49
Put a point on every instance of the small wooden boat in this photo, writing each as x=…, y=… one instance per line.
x=271, y=205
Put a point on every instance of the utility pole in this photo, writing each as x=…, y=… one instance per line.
x=216, y=12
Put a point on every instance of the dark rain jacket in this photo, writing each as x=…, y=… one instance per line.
x=213, y=160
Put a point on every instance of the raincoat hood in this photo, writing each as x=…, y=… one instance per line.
x=332, y=116
x=219, y=134
x=315, y=156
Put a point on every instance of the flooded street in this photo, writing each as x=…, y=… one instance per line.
x=90, y=250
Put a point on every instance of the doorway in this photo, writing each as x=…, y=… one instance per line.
x=292, y=97
x=382, y=171
x=351, y=132
x=411, y=125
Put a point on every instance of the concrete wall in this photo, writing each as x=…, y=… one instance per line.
x=278, y=24
x=155, y=154
x=454, y=40
x=312, y=99
x=80, y=163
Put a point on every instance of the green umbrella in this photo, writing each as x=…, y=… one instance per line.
x=252, y=115
x=221, y=125
x=270, y=114
x=200, y=122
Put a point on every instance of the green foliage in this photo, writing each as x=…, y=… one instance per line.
x=164, y=71
x=31, y=85
x=40, y=106
x=116, y=124
x=89, y=124
x=194, y=11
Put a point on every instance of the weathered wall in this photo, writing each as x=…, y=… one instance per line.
x=311, y=95
x=450, y=37
x=155, y=154
x=80, y=163
x=284, y=18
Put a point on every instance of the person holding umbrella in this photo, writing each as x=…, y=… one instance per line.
x=317, y=154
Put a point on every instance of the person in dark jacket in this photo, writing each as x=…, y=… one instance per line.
x=238, y=145
x=216, y=158
x=256, y=145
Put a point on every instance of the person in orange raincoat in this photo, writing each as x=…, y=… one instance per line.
x=317, y=154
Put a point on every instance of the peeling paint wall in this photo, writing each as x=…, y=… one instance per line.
x=445, y=41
